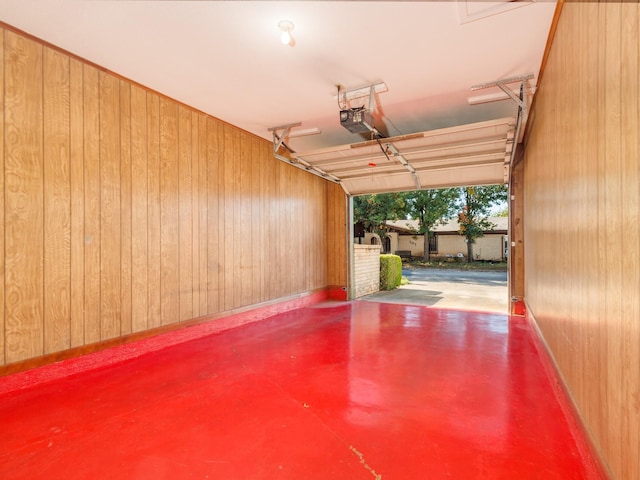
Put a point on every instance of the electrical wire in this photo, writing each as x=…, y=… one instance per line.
x=382, y=148
x=394, y=125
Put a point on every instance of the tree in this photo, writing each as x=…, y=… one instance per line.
x=476, y=206
x=430, y=207
x=501, y=211
x=373, y=211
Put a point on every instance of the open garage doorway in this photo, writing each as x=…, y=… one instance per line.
x=453, y=243
x=474, y=154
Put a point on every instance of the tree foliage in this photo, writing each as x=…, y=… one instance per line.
x=430, y=207
x=502, y=211
x=373, y=211
x=476, y=203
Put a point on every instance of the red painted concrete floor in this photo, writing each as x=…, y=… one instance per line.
x=356, y=390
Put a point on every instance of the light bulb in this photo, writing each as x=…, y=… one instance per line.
x=285, y=27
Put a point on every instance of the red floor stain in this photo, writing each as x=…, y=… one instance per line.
x=341, y=390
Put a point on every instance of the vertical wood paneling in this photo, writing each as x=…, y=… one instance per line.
x=301, y=237
x=582, y=238
x=185, y=216
x=613, y=205
x=333, y=214
x=153, y=210
x=600, y=344
x=282, y=213
x=321, y=239
x=205, y=261
x=288, y=193
x=630, y=192
x=516, y=224
x=228, y=255
x=257, y=222
x=139, y=211
x=325, y=239
x=296, y=195
x=223, y=232
x=23, y=198
x=269, y=215
x=310, y=234
x=321, y=261
x=307, y=236
x=290, y=279
x=332, y=276
x=588, y=36
x=336, y=238
x=235, y=205
x=581, y=180
x=195, y=212
x=169, y=214
x=125, y=207
x=57, y=203
x=91, y=129
x=563, y=228
x=313, y=236
x=3, y=358
x=214, y=221
x=266, y=170
x=245, y=239
x=254, y=220
x=307, y=200
x=110, y=227
x=76, y=180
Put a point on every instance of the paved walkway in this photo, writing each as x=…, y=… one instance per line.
x=458, y=289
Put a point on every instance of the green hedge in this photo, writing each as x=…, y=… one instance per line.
x=390, y=271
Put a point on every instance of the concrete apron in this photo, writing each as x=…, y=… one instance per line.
x=456, y=289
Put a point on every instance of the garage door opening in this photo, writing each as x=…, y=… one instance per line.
x=482, y=153
x=453, y=243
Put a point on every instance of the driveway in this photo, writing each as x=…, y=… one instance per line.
x=456, y=289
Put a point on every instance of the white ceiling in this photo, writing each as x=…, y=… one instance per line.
x=225, y=58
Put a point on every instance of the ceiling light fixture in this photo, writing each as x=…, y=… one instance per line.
x=304, y=133
x=285, y=27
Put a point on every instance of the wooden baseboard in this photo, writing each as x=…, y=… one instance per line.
x=41, y=369
x=577, y=425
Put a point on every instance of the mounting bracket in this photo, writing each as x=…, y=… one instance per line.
x=366, y=91
x=280, y=133
x=522, y=101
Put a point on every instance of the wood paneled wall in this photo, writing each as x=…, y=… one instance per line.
x=122, y=210
x=582, y=194
x=337, y=262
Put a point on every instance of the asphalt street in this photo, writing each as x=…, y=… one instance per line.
x=456, y=289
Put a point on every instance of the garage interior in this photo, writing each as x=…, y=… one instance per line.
x=145, y=201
